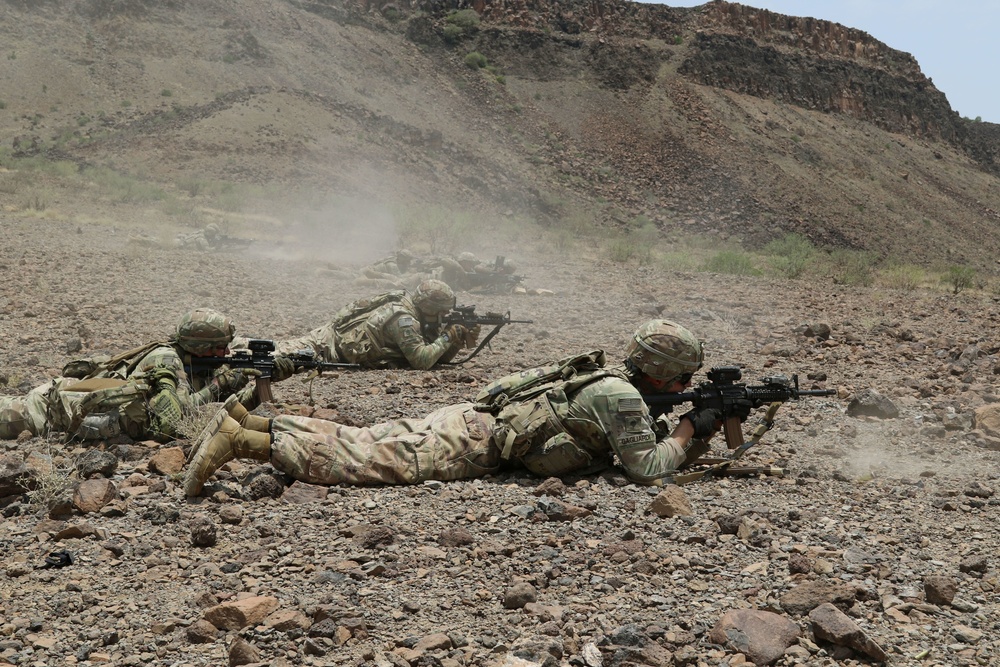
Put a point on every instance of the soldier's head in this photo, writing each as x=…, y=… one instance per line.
x=467, y=260
x=211, y=230
x=403, y=258
x=433, y=298
x=663, y=355
x=204, y=332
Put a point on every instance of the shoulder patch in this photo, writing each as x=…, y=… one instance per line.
x=630, y=405
x=406, y=321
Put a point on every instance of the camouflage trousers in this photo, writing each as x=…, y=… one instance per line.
x=450, y=443
x=45, y=408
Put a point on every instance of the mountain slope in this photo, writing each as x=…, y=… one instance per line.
x=721, y=119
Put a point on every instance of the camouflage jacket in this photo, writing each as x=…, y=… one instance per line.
x=578, y=425
x=387, y=336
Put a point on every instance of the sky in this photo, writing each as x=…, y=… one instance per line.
x=954, y=41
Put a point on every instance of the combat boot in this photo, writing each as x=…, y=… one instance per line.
x=248, y=421
x=222, y=441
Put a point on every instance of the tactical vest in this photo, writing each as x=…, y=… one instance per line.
x=531, y=408
x=359, y=327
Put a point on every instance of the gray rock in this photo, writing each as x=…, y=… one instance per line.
x=811, y=594
x=96, y=462
x=870, y=403
x=519, y=595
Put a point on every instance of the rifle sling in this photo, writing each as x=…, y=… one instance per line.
x=486, y=340
x=720, y=468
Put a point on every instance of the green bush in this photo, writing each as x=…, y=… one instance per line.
x=733, y=262
x=902, y=276
x=621, y=250
x=452, y=33
x=790, y=254
x=959, y=278
x=166, y=92
x=466, y=19
x=475, y=60
x=3, y=105
x=852, y=267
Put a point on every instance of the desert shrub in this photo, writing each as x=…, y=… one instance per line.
x=475, y=60
x=166, y=92
x=959, y=277
x=435, y=228
x=466, y=19
x=621, y=250
x=790, y=255
x=192, y=185
x=732, y=262
x=452, y=33
x=3, y=104
x=49, y=487
x=852, y=267
x=906, y=277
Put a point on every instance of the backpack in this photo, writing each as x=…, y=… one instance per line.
x=354, y=337
x=531, y=408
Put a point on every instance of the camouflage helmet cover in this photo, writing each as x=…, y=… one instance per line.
x=664, y=350
x=203, y=330
x=434, y=297
x=211, y=229
x=403, y=253
x=468, y=257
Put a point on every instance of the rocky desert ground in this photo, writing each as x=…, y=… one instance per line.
x=878, y=544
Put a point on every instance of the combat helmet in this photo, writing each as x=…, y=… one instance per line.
x=663, y=350
x=434, y=297
x=203, y=330
x=211, y=230
x=467, y=258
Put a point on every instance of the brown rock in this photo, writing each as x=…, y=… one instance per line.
x=93, y=494
x=76, y=531
x=300, y=493
x=203, y=533
x=455, y=537
x=670, y=502
x=436, y=642
x=987, y=419
x=169, y=461
x=832, y=625
x=241, y=613
x=799, y=564
x=939, y=589
x=553, y=486
x=242, y=652
x=288, y=619
x=202, y=632
x=811, y=594
x=760, y=635
x=557, y=510
x=519, y=595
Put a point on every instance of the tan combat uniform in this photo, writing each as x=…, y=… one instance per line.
x=155, y=394
x=553, y=434
x=386, y=336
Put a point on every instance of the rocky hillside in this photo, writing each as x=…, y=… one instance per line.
x=721, y=119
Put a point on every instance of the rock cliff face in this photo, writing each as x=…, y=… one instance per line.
x=814, y=64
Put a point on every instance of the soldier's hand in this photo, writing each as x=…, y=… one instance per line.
x=742, y=408
x=456, y=333
x=229, y=380
x=472, y=335
x=284, y=368
x=706, y=421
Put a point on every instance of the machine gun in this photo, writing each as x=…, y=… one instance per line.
x=226, y=242
x=466, y=316
x=259, y=356
x=498, y=279
x=734, y=400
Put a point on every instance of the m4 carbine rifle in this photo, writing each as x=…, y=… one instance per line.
x=260, y=356
x=466, y=316
x=734, y=399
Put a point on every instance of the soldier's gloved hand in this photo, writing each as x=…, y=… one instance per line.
x=229, y=380
x=456, y=333
x=742, y=408
x=284, y=368
x=472, y=335
x=706, y=421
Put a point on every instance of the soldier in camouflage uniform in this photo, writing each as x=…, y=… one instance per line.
x=568, y=417
x=142, y=393
x=391, y=330
x=203, y=239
